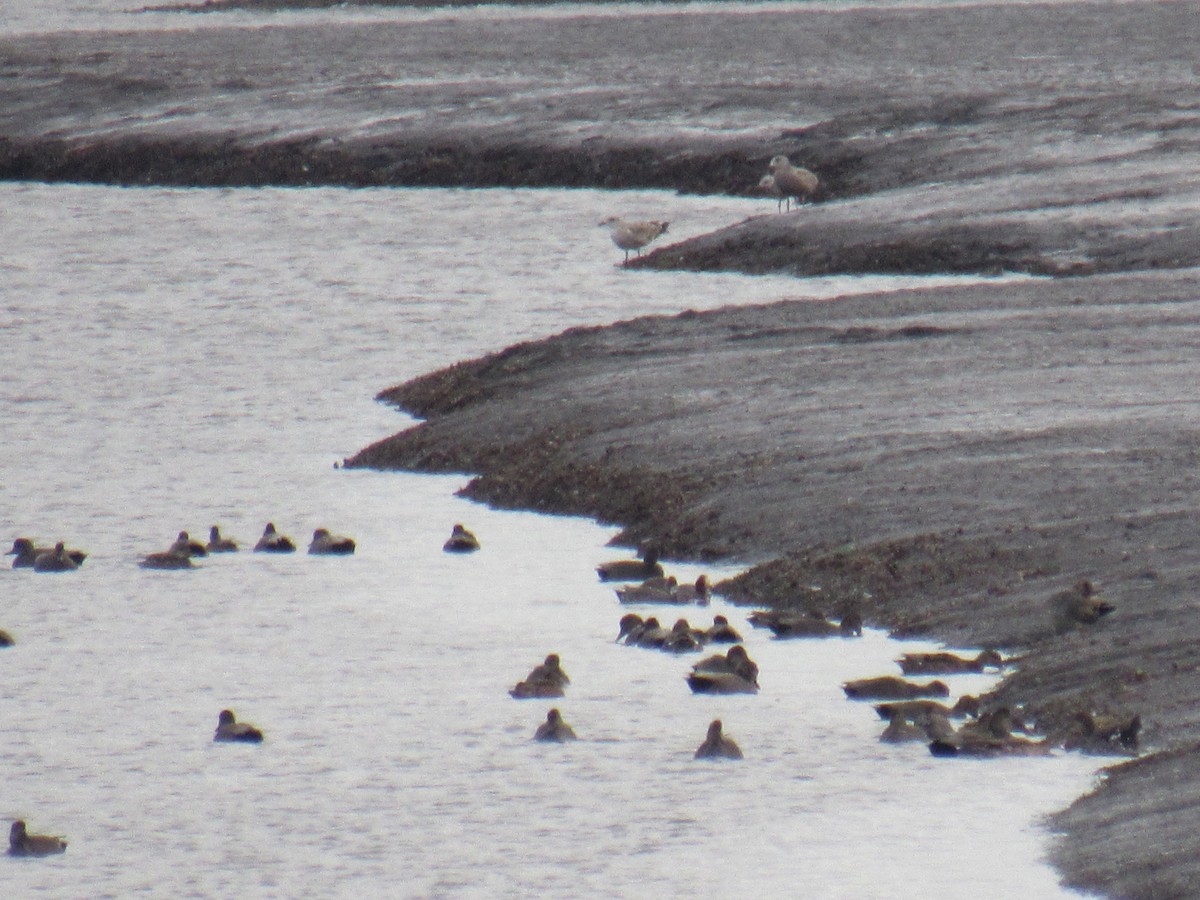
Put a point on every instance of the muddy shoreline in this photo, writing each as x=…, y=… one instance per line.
x=947, y=457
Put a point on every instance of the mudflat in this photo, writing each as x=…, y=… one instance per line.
x=944, y=459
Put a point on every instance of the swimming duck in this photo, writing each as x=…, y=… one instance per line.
x=630, y=235
x=554, y=729
x=682, y=639
x=22, y=843
x=889, y=687
x=698, y=592
x=56, y=560
x=630, y=626
x=167, y=559
x=900, y=730
x=218, y=544
x=26, y=553
x=546, y=680
x=274, y=542
x=631, y=569
x=947, y=663
x=229, y=729
x=1078, y=605
x=730, y=673
x=919, y=710
x=722, y=632
x=717, y=746
x=652, y=590
x=652, y=634
x=461, y=541
x=186, y=546
x=325, y=544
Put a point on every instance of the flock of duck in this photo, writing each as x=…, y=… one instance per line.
x=913, y=710
x=27, y=554
x=784, y=182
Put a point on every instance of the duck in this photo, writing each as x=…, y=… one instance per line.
x=651, y=635
x=167, y=559
x=545, y=680
x=948, y=663
x=218, y=544
x=795, y=624
x=185, y=545
x=1078, y=605
x=554, y=729
x=1097, y=733
x=990, y=736
x=629, y=628
x=633, y=235
x=22, y=843
x=230, y=729
x=722, y=632
x=793, y=182
x=889, y=687
x=274, y=542
x=6, y=639
x=631, y=569
x=900, y=730
x=919, y=710
x=26, y=553
x=717, y=745
x=326, y=544
x=682, y=638
x=731, y=673
x=461, y=541
x=56, y=560
x=652, y=590
x=697, y=592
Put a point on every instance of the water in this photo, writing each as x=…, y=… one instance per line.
x=178, y=358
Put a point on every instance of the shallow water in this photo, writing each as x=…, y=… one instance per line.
x=178, y=358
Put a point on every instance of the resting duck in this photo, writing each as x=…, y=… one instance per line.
x=631, y=569
x=22, y=843
x=722, y=632
x=991, y=735
x=274, y=542
x=229, y=729
x=325, y=544
x=947, y=663
x=546, y=680
x=1077, y=606
x=919, y=710
x=218, y=544
x=461, y=541
x=26, y=553
x=554, y=729
x=793, y=623
x=186, y=546
x=56, y=560
x=889, y=687
x=717, y=746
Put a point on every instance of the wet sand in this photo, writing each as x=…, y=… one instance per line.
x=948, y=458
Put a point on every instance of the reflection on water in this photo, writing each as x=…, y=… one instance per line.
x=178, y=359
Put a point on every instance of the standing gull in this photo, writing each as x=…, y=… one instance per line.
x=634, y=236
x=793, y=181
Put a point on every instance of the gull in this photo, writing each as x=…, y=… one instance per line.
x=633, y=235
x=767, y=185
x=792, y=181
